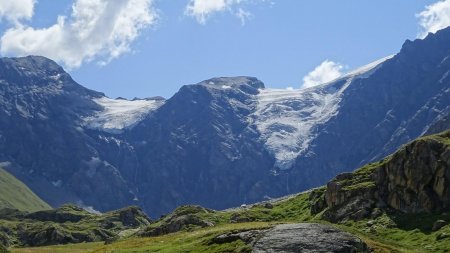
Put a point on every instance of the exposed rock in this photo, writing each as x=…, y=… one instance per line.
x=248, y=237
x=414, y=179
x=438, y=225
x=308, y=238
x=65, y=213
x=68, y=224
x=182, y=218
x=133, y=217
x=268, y=205
x=239, y=218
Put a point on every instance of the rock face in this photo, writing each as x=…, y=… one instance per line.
x=221, y=142
x=308, y=238
x=414, y=179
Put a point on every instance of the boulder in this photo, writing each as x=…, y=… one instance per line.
x=308, y=238
x=438, y=225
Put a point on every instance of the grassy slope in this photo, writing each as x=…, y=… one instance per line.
x=390, y=232
x=15, y=194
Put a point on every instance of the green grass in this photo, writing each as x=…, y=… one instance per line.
x=15, y=194
x=404, y=232
x=195, y=241
x=68, y=248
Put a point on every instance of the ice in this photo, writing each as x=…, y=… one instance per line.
x=288, y=119
x=119, y=114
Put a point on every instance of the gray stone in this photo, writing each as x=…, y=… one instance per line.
x=308, y=238
x=439, y=224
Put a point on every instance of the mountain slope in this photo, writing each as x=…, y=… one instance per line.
x=15, y=194
x=219, y=143
x=43, y=138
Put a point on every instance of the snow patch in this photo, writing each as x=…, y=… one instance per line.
x=119, y=114
x=57, y=183
x=367, y=70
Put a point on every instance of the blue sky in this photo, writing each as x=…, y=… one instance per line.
x=278, y=41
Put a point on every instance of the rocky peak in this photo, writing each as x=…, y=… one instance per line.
x=246, y=84
x=37, y=74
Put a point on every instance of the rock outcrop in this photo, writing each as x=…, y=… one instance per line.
x=414, y=179
x=68, y=224
x=185, y=217
x=308, y=238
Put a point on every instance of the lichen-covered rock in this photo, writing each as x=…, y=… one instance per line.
x=308, y=238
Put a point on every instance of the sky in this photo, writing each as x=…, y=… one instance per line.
x=145, y=48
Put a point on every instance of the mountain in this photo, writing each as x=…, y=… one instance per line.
x=44, y=140
x=15, y=194
x=219, y=143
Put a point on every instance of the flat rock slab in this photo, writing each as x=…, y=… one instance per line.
x=308, y=237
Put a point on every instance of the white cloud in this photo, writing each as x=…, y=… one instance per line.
x=99, y=30
x=202, y=10
x=435, y=17
x=327, y=71
x=15, y=10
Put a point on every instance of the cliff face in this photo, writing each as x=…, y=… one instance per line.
x=414, y=179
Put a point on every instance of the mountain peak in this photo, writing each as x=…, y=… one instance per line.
x=233, y=82
x=32, y=64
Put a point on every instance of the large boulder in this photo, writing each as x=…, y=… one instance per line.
x=308, y=238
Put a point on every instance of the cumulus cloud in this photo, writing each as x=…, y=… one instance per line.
x=327, y=71
x=201, y=10
x=435, y=17
x=16, y=10
x=99, y=30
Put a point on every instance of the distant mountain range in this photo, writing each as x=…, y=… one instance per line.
x=219, y=143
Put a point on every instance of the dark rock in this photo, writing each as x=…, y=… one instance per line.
x=438, y=225
x=268, y=205
x=66, y=213
x=308, y=238
x=414, y=179
x=133, y=217
x=370, y=223
x=184, y=217
x=248, y=237
x=240, y=218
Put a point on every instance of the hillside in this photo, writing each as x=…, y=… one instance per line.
x=399, y=204
x=15, y=194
